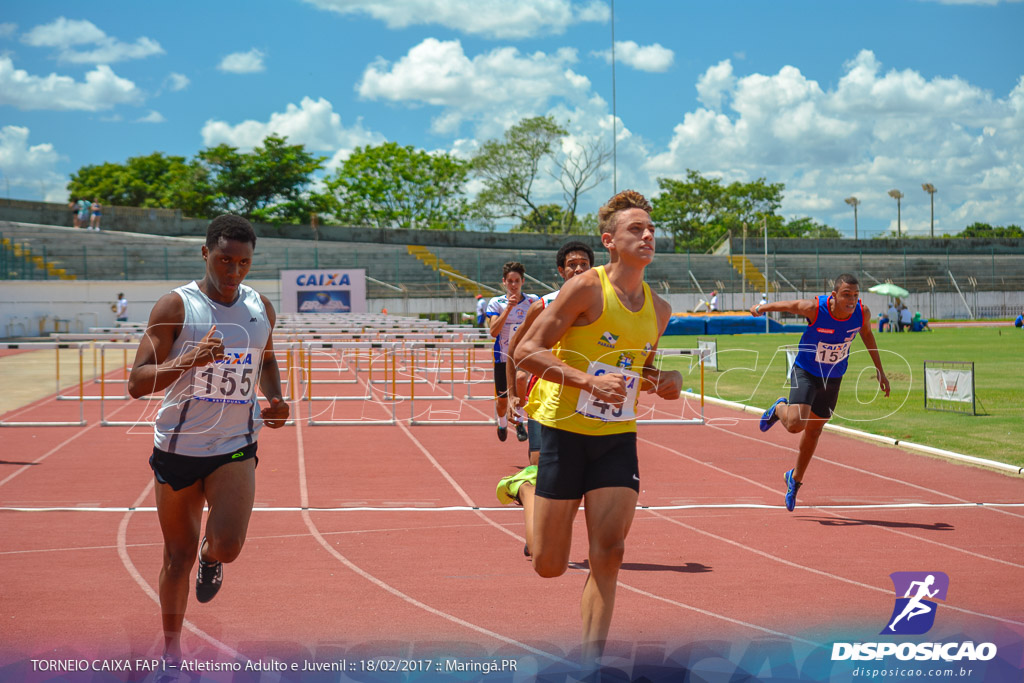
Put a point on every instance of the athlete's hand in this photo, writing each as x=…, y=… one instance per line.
x=753, y=311
x=609, y=388
x=666, y=384
x=513, y=299
x=209, y=350
x=275, y=414
x=512, y=410
x=883, y=382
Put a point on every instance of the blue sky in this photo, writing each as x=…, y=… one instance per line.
x=831, y=98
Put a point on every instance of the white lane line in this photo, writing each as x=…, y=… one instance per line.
x=126, y=560
x=819, y=572
x=315, y=532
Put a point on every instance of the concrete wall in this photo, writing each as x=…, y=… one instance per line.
x=26, y=304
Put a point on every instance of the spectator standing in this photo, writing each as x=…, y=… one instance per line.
x=481, y=309
x=96, y=209
x=121, y=308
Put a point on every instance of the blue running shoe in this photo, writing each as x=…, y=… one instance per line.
x=792, y=486
x=768, y=417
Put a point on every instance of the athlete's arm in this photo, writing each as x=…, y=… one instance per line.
x=275, y=414
x=152, y=370
x=498, y=321
x=580, y=303
x=869, y=341
x=805, y=308
x=665, y=383
x=510, y=367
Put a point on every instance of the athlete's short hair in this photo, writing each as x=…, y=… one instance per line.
x=229, y=227
x=513, y=267
x=627, y=199
x=848, y=278
x=569, y=247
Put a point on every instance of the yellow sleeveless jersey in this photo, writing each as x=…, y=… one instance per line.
x=619, y=338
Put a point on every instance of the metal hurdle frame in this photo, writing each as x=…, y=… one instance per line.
x=57, y=346
x=701, y=354
x=304, y=349
x=451, y=346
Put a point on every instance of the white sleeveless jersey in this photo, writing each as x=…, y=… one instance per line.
x=212, y=409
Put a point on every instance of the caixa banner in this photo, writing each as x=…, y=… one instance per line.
x=320, y=290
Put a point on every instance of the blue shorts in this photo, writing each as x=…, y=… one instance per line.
x=181, y=471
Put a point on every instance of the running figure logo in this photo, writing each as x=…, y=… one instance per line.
x=914, y=614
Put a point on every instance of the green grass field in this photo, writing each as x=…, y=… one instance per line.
x=752, y=370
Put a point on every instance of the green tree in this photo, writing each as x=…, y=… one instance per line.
x=154, y=180
x=545, y=218
x=391, y=186
x=807, y=228
x=270, y=183
x=699, y=210
x=510, y=167
x=984, y=230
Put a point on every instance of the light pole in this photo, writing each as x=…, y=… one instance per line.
x=853, y=201
x=615, y=149
x=897, y=195
x=930, y=189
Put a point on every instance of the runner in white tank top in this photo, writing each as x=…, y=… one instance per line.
x=208, y=346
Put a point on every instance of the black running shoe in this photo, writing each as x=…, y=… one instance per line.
x=502, y=433
x=521, y=432
x=208, y=578
x=526, y=550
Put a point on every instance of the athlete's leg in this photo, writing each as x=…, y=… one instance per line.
x=180, y=514
x=609, y=514
x=808, y=443
x=552, y=534
x=793, y=416
x=230, y=491
x=528, y=499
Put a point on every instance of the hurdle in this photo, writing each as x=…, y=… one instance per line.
x=701, y=355
x=42, y=346
x=305, y=349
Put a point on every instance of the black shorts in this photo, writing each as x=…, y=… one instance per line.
x=533, y=430
x=820, y=393
x=571, y=464
x=500, y=380
x=181, y=471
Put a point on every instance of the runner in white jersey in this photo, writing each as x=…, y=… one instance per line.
x=504, y=315
x=208, y=346
x=573, y=258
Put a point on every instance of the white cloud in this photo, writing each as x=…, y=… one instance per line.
x=63, y=33
x=243, y=62
x=497, y=88
x=8, y=29
x=488, y=18
x=102, y=89
x=655, y=58
x=31, y=167
x=872, y=132
x=152, y=117
x=176, y=82
x=313, y=123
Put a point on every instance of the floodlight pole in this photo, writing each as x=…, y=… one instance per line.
x=615, y=159
x=930, y=189
x=766, y=269
x=897, y=195
x=853, y=201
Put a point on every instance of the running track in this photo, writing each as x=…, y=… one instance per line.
x=712, y=557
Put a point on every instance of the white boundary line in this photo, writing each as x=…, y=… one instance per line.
x=473, y=508
x=887, y=440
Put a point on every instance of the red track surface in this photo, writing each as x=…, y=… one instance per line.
x=312, y=583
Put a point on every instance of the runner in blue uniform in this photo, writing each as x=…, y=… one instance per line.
x=833, y=321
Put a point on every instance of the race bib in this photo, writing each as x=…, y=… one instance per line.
x=232, y=380
x=589, y=406
x=830, y=354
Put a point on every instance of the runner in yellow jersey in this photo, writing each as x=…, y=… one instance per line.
x=606, y=323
